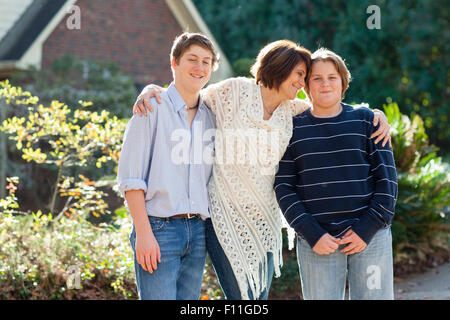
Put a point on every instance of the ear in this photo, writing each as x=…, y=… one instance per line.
x=173, y=63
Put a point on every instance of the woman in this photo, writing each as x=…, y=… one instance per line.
x=244, y=239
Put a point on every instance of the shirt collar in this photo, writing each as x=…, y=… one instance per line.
x=177, y=101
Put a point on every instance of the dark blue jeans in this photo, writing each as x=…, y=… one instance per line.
x=223, y=269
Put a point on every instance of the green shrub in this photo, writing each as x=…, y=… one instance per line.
x=420, y=225
x=241, y=67
x=40, y=258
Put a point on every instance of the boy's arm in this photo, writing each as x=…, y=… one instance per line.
x=135, y=155
x=382, y=205
x=146, y=247
x=292, y=207
x=134, y=163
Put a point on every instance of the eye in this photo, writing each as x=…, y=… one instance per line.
x=206, y=62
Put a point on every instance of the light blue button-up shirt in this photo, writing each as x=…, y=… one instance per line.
x=166, y=158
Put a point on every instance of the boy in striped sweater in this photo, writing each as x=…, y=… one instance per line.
x=337, y=189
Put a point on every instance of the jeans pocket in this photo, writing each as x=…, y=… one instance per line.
x=157, y=223
x=132, y=238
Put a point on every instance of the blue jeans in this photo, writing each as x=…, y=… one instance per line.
x=183, y=256
x=370, y=272
x=223, y=269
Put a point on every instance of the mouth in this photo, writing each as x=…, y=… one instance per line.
x=196, y=76
x=296, y=89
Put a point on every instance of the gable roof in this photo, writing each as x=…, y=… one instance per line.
x=27, y=28
x=26, y=24
x=10, y=14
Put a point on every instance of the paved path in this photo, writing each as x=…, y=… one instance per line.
x=431, y=285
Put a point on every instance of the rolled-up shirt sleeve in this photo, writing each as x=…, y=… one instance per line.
x=135, y=156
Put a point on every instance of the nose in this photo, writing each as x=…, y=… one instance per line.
x=325, y=82
x=200, y=66
x=302, y=82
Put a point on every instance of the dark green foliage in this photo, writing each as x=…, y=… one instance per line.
x=423, y=205
x=70, y=80
x=241, y=67
x=404, y=61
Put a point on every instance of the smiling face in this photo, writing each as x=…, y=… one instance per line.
x=193, y=69
x=290, y=87
x=325, y=85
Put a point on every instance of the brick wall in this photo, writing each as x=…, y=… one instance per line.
x=135, y=34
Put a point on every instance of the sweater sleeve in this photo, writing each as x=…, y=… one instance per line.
x=292, y=207
x=219, y=96
x=381, y=209
x=299, y=106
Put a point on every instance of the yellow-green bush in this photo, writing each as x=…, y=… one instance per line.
x=40, y=258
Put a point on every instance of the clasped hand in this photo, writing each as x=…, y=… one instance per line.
x=328, y=244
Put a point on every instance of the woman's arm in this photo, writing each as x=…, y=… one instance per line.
x=143, y=100
x=210, y=95
x=382, y=133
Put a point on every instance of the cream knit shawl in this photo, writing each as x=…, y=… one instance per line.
x=244, y=210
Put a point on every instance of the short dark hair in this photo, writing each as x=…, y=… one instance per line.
x=185, y=40
x=276, y=61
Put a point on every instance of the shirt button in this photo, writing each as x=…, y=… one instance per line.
x=193, y=202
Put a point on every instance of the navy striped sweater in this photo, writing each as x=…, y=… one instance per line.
x=333, y=177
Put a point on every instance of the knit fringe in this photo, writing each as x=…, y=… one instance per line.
x=257, y=279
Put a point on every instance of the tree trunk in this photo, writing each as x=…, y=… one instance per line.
x=3, y=152
x=55, y=191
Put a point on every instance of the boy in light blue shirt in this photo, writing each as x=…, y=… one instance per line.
x=164, y=168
